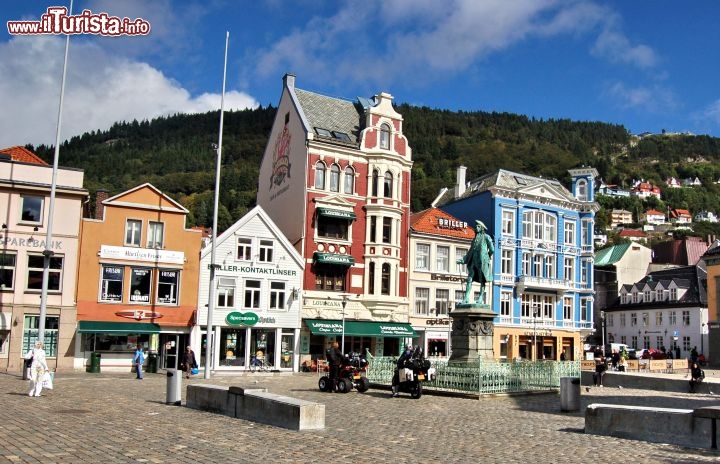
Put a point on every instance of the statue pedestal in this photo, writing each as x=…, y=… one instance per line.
x=472, y=332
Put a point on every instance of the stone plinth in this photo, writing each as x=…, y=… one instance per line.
x=472, y=332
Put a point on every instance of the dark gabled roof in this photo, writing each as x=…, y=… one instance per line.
x=333, y=114
x=693, y=278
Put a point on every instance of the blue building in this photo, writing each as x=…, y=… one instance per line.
x=542, y=290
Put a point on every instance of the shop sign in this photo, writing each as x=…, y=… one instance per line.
x=238, y=318
x=446, y=278
x=438, y=321
x=141, y=254
x=139, y=314
x=451, y=223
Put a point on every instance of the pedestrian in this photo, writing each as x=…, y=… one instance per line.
x=334, y=359
x=694, y=354
x=562, y=356
x=138, y=361
x=38, y=368
x=696, y=376
x=600, y=368
x=188, y=361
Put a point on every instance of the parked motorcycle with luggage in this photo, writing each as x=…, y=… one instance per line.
x=412, y=370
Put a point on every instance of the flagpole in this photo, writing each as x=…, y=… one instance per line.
x=209, y=345
x=47, y=252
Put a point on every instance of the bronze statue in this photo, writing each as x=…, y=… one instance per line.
x=479, y=262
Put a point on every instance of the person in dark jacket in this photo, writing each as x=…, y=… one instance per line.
x=696, y=376
x=600, y=368
x=334, y=359
x=188, y=361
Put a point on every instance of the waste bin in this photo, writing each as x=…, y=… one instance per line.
x=152, y=363
x=94, y=366
x=26, y=368
x=174, y=384
x=569, y=394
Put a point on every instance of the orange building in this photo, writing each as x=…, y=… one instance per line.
x=138, y=279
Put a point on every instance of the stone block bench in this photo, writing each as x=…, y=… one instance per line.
x=681, y=427
x=257, y=405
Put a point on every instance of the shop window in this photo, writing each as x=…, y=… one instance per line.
x=111, y=287
x=385, y=279
x=155, y=234
x=133, y=232
x=262, y=345
x=140, y=282
x=252, y=294
x=168, y=283
x=244, y=249
x=36, y=263
x=334, y=178
x=232, y=347
x=349, y=180
x=7, y=270
x=113, y=343
x=320, y=175
x=287, y=349
x=265, y=254
x=329, y=227
x=30, y=334
x=277, y=296
x=330, y=277
x=31, y=209
x=385, y=137
x=388, y=185
x=226, y=292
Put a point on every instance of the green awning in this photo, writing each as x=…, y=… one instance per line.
x=334, y=258
x=336, y=213
x=360, y=328
x=118, y=328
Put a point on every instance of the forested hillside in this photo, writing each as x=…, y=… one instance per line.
x=176, y=155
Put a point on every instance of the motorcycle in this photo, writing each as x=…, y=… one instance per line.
x=409, y=376
x=350, y=375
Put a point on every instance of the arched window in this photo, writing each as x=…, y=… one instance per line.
x=388, y=185
x=349, y=180
x=582, y=193
x=375, y=181
x=320, y=175
x=385, y=137
x=385, y=279
x=334, y=178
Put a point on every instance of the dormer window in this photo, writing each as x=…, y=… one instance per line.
x=582, y=191
x=385, y=137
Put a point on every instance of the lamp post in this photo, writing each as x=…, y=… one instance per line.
x=534, y=350
x=342, y=339
x=602, y=327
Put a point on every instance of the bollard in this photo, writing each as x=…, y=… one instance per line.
x=174, y=384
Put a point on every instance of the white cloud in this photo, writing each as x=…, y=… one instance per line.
x=711, y=114
x=654, y=99
x=101, y=89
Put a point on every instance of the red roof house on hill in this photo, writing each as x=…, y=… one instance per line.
x=632, y=234
x=22, y=155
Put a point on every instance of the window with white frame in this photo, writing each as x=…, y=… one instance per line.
x=646, y=296
x=646, y=342
x=537, y=265
x=550, y=232
x=252, y=294
x=278, y=295
x=375, y=181
x=8, y=263
x=659, y=342
x=550, y=271
x=568, y=308
x=31, y=209
x=686, y=343
x=645, y=319
x=460, y=296
x=244, y=249
x=140, y=285
x=265, y=251
x=673, y=294
x=388, y=185
x=508, y=222
x=387, y=230
x=385, y=279
x=582, y=190
x=586, y=236
x=526, y=269
x=226, y=292
x=569, y=237
x=36, y=264
x=505, y=303
x=526, y=306
x=133, y=232
x=506, y=261
x=633, y=319
x=527, y=223
x=610, y=318
x=422, y=301
x=167, y=287
x=672, y=318
x=569, y=268
x=658, y=318
x=686, y=318
x=623, y=339
x=334, y=178
x=422, y=257
x=623, y=319
x=385, y=136
x=584, y=309
x=155, y=234
x=460, y=268
x=320, y=175
x=442, y=301
x=548, y=304
x=111, y=285
x=442, y=259
x=349, y=184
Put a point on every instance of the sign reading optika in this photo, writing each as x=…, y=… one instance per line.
x=238, y=318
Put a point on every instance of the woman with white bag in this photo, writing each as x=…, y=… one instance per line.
x=38, y=368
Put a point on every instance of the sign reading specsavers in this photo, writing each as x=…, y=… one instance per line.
x=360, y=328
x=238, y=318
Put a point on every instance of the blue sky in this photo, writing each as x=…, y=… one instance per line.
x=647, y=65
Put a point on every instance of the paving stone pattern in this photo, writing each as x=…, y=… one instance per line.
x=113, y=418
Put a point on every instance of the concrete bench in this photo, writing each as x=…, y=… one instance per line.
x=257, y=405
x=657, y=425
x=712, y=413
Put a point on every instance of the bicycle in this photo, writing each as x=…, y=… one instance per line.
x=259, y=364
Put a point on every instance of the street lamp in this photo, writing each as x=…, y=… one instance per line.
x=342, y=340
x=602, y=327
x=534, y=350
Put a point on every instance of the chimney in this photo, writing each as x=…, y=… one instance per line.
x=100, y=196
x=460, y=182
x=289, y=80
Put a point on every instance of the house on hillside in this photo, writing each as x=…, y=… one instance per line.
x=633, y=234
x=652, y=217
x=680, y=216
x=673, y=183
x=706, y=216
x=620, y=217
x=610, y=190
x=692, y=182
x=645, y=190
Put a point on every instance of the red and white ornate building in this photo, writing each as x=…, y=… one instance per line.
x=335, y=178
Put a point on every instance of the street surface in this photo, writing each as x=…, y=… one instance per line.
x=113, y=418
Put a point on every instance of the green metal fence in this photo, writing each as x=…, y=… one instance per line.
x=484, y=377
